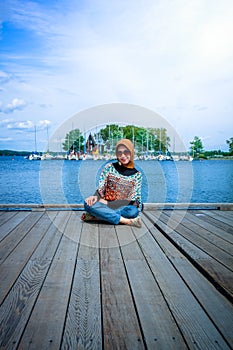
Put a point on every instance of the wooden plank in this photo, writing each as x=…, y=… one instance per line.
x=207, y=231
x=48, y=245
x=52, y=302
x=89, y=241
x=214, y=251
x=83, y=329
x=227, y=215
x=216, y=272
x=213, y=244
x=18, y=304
x=221, y=219
x=10, y=242
x=158, y=326
x=109, y=244
x=11, y=224
x=214, y=303
x=6, y=215
x=196, y=327
x=120, y=323
x=205, y=221
x=225, y=230
x=74, y=227
x=20, y=300
x=128, y=242
x=186, y=246
x=18, y=258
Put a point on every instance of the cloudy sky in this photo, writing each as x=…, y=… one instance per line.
x=59, y=57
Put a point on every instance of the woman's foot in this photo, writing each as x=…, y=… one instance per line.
x=137, y=222
x=88, y=217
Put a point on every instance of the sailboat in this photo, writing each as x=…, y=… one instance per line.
x=35, y=155
x=47, y=155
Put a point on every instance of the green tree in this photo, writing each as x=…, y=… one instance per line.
x=162, y=141
x=144, y=139
x=140, y=137
x=196, y=146
x=111, y=134
x=74, y=140
x=230, y=143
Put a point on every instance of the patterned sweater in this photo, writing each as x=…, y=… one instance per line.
x=120, y=184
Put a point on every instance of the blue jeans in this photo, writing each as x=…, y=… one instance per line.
x=103, y=212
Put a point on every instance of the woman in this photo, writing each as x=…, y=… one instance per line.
x=118, y=197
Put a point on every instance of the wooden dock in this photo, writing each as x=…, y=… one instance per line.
x=66, y=284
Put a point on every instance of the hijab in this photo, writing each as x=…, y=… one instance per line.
x=129, y=145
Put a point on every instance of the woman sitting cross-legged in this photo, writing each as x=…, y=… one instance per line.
x=118, y=197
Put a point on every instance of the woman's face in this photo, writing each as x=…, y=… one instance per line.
x=123, y=155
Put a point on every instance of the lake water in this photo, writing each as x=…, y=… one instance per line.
x=56, y=181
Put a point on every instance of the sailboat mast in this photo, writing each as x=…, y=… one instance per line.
x=48, y=139
x=35, y=140
x=160, y=141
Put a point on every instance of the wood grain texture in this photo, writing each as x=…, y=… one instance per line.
x=65, y=284
x=48, y=315
x=217, y=271
x=11, y=268
x=83, y=329
x=193, y=322
x=120, y=323
x=195, y=234
x=158, y=325
x=17, y=306
x=207, y=295
x=221, y=221
x=5, y=216
x=13, y=238
x=12, y=223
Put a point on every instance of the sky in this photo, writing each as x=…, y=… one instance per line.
x=59, y=58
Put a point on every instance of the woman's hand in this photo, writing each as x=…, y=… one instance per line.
x=91, y=200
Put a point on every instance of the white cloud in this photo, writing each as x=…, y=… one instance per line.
x=15, y=104
x=24, y=125
x=5, y=139
x=20, y=125
x=43, y=124
x=5, y=122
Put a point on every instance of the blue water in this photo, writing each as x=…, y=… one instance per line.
x=24, y=181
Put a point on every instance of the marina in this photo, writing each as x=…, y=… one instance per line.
x=66, y=284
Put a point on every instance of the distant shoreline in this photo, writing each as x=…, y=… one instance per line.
x=12, y=153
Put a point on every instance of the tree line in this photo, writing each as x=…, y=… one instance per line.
x=197, y=149
x=153, y=140
x=144, y=139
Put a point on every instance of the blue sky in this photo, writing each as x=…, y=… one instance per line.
x=57, y=58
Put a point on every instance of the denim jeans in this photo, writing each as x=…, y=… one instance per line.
x=103, y=212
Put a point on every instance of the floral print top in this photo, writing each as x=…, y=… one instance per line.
x=118, y=183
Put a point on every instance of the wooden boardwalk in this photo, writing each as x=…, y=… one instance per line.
x=72, y=285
